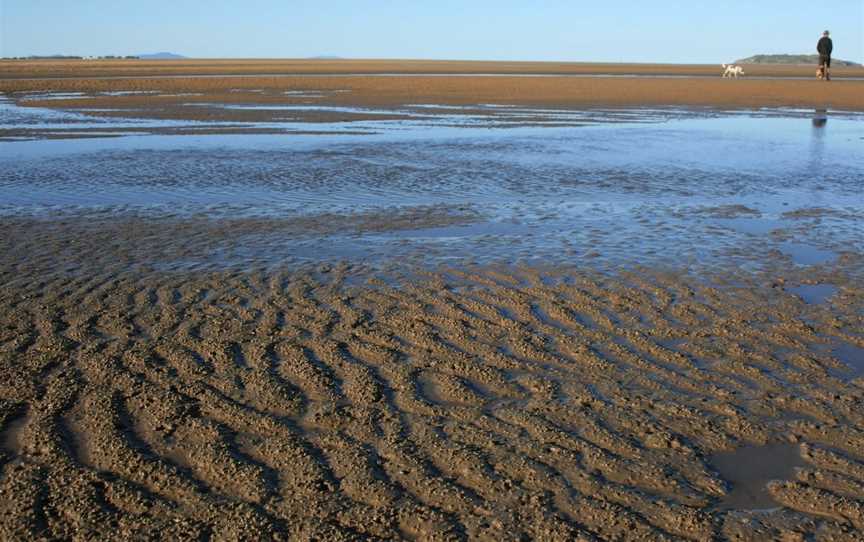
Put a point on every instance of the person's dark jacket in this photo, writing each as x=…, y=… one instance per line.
x=825, y=47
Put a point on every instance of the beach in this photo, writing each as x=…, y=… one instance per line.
x=368, y=300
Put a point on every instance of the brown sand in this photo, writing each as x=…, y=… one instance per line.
x=494, y=403
x=409, y=89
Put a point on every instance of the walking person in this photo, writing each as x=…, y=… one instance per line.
x=825, y=48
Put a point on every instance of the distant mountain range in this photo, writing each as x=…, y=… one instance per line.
x=792, y=60
x=161, y=56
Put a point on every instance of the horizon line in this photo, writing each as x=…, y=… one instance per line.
x=337, y=58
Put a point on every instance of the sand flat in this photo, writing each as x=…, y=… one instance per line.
x=236, y=338
x=473, y=403
x=768, y=86
x=26, y=69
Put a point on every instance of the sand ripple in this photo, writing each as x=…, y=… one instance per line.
x=488, y=403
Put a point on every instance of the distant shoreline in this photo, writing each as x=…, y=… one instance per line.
x=25, y=69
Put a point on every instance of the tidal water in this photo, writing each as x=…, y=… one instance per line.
x=616, y=185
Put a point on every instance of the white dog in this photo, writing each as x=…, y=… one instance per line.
x=732, y=71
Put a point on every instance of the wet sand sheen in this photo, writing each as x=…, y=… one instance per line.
x=750, y=469
x=815, y=294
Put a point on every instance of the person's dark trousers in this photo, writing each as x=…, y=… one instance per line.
x=825, y=64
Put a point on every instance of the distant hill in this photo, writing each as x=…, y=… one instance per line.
x=325, y=57
x=792, y=60
x=161, y=56
x=52, y=57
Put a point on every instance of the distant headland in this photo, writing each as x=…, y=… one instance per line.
x=792, y=60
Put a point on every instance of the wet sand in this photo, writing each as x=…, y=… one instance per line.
x=477, y=403
x=161, y=378
x=343, y=402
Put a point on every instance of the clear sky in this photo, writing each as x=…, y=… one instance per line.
x=571, y=30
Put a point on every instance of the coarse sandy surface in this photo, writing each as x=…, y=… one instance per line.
x=483, y=403
x=259, y=400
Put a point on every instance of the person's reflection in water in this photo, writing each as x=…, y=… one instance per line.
x=820, y=120
x=817, y=146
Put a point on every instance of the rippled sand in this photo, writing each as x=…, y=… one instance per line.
x=480, y=403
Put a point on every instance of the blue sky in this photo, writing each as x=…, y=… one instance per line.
x=570, y=30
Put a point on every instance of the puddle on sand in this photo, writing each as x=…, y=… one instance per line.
x=460, y=231
x=753, y=226
x=304, y=108
x=814, y=294
x=852, y=356
x=803, y=254
x=748, y=471
x=10, y=437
